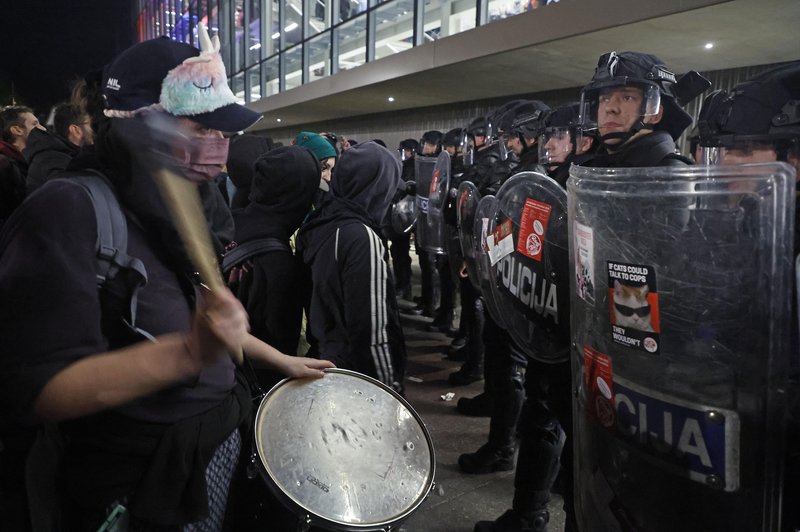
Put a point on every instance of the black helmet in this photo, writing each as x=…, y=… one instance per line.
x=562, y=122
x=762, y=110
x=659, y=86
x=479, y=126
x=409, y=144
x=454, y=137
x=432, y=137
x=523, y=120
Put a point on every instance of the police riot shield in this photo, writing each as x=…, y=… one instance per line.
x=404, y=214
x=483, y=231
x=467, y=198
x=424, y=167
x=681, y=305
x=530, y=265
x=436, y=234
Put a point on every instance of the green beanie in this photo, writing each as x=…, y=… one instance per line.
x=321, y=148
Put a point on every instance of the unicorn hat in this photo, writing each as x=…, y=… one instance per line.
x=176, y=78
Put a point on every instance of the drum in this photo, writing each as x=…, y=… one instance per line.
x=344, y=452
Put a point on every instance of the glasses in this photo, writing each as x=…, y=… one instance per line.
x=630, y=311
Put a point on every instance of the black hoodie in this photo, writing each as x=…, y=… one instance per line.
x=283, y=186
x=353, y=308
x=48, y=155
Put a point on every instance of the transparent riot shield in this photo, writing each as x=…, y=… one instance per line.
x=680, y=340
x=435, y=240
x=424, y=167
x=483, y=231
x=467, y=199
x=531, y=265
x=404, y=214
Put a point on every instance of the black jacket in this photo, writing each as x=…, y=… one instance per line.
x=353, y=311
x=47, y=155
x=283, y=186
x=654, y=149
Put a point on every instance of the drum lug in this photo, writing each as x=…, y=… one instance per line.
x=252, y=470
x=304, y=523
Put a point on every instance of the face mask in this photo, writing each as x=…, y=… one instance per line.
x=204, y=158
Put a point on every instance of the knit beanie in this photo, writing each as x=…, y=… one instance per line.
x=320, y=147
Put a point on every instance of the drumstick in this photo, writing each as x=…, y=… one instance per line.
x=183, y=202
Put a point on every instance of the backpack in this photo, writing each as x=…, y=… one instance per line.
x=112, y=243
x=242, y=252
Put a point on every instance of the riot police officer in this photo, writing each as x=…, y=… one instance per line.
x=759, y=121
x=635, y=100
x=563, y=142
x=401, y=242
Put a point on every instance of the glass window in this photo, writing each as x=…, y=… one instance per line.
x=271, y=24
x=239, y=40
x=319, y=16
x=271, y=76
x=350, y=8
x=293, y=67
x=394, y=27
x=448, y=17
x=238, y=87
x=253, y=84
x=352, y=39
x=293, y=20
x=319, y=56
x=254, y=33
x=209, y=15
x=500, y=9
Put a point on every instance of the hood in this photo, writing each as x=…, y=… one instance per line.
x=41, y=141
x=284, y=184
x=243, y=152
x=364, y=182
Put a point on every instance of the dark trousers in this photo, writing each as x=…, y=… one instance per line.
x=503, y=371
x=401, y=259
x=472, y=321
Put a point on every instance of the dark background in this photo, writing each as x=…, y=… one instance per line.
x=47, y=44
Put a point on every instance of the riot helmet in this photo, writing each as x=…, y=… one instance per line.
x=431, y=143
x=635, y=78
x=762, y=113
x=524, y=120
x=455, y=139
x=479, y=127
x=407, y=149
x=561, y=135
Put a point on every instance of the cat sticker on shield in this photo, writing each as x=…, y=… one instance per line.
x=633, y=306
x=584, y=262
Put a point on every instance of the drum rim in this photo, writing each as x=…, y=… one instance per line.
x=315, y=518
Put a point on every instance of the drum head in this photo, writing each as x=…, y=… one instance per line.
x=344, y=450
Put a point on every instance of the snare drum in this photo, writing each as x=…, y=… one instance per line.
x=345, y=452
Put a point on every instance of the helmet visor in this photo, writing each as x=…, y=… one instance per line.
x=744, y=151
x=555, y=145
x=623, y=94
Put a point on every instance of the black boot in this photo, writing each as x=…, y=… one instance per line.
x=478, y=406
x=443, y=323
x=488, y=459
x=466, y=375
x=512, y=521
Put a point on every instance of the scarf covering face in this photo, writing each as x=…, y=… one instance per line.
x=364, y=181
x=284, y=184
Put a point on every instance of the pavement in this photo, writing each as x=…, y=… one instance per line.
x=458, y=500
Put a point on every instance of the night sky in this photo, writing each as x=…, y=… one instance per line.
x=46, y=44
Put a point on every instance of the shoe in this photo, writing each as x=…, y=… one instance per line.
x=478, y=406
x=511, y=521
x=466, y=375
x=458, y=343
x=458, y=355
x=443, y=323
x=488, y=459
x=403, y=292
x=420, y=309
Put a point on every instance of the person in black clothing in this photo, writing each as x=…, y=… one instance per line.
x=148, y=403
x=520, y=128
x=635, y=100
x=353, y=310
x=407, y=149
x=563, y=143
x=759, y=121
x=244, y=151
x=284, y=183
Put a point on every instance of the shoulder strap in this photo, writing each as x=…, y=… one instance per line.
x=242, y=252
x=112, y=239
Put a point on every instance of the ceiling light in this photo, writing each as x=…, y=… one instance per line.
x=276, y=35
x=390, y=98
x=709, y=45
x=256, y=46
x=277, y=119
x=290, y=27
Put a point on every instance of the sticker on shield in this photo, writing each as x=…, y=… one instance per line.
x=633, y=302
x=503, y=240
x=434, y=181
x=584, y=262
x=598, y=380
x=695, y=440
x=532, y=228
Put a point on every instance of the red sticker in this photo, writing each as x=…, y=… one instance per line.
x=502, y=231
x=599, y=382
x=434, y=181
x=532, y=228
